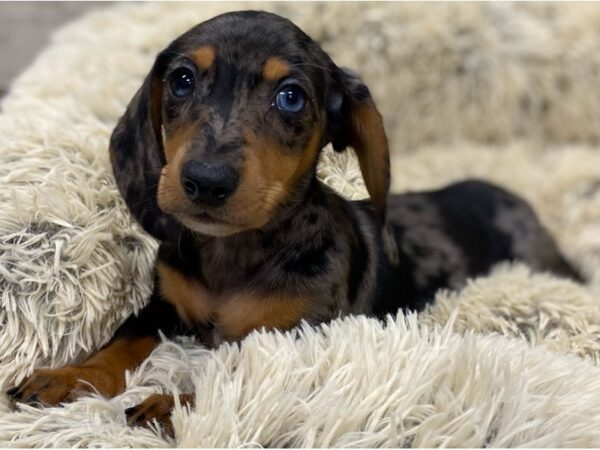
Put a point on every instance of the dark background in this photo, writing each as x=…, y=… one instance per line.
x=25, y=29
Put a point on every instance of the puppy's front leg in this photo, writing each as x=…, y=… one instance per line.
x=105, y=370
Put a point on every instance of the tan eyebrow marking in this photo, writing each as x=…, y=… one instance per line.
x=275, y=68
x=204, y=57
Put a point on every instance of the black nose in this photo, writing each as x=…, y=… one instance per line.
x=208, y=183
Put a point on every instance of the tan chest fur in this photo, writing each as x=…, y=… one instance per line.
x=235, y=315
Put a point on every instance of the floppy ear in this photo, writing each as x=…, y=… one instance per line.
x=137, y=155
x=353, y=120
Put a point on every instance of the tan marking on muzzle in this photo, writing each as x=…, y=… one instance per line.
x=170, y=195
x=268, y=177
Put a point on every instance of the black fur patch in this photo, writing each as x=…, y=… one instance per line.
x=310, y=261
x=157, y=315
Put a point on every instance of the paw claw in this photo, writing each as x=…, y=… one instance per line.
x=12, y=392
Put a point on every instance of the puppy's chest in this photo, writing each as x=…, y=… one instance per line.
x=233, y=314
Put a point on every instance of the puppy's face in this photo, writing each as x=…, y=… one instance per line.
x=239, y=108
x=243, y=121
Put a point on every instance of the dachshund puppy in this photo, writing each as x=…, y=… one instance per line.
x=216, y=157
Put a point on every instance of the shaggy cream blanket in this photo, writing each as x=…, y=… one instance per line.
x=500, y=91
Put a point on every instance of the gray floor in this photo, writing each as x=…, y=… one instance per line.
x=25, y=28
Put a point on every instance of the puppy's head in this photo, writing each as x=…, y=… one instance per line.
x=229, y=123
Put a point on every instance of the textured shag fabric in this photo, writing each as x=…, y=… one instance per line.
x=499, y=91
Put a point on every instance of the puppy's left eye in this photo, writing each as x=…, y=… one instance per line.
x=182, y=82
x=290, y=99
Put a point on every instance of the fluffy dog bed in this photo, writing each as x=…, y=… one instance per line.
x=502, y=92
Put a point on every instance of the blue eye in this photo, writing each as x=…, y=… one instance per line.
x=290, y=99
x=182, y=82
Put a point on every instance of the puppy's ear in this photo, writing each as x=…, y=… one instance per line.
x=353, y=120
x=137, y=156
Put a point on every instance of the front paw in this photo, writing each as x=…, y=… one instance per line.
x=50, y=387
x=156, y=407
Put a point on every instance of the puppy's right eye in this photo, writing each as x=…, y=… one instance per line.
x=181, y=82
x=290, y=99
